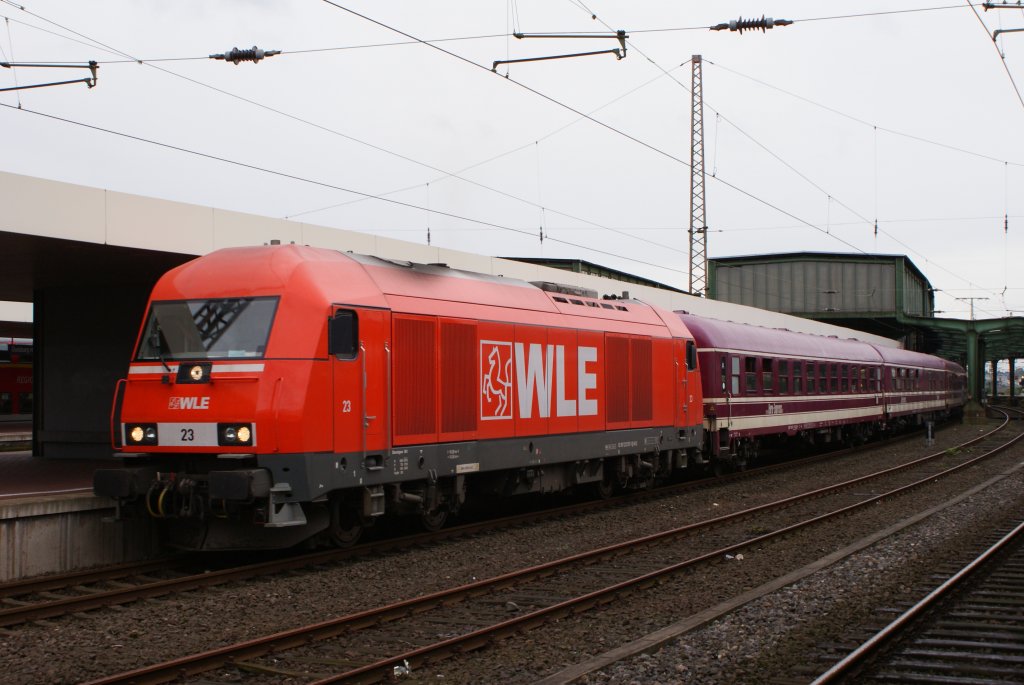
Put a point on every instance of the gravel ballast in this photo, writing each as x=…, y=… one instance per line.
x=104, y=642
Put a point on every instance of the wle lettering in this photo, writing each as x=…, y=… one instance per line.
x=189, y=403
x=540, y=377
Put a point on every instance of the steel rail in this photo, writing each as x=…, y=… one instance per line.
x=34, y=611
x=476, y=639
x=859, y=656
x=30, y=586
x=198, y=663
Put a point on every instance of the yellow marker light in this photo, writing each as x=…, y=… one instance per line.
x=137, y=434
x=196, y=372
x=244, y=434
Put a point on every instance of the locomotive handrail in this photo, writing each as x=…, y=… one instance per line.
x=387, y=409
x=366, y=418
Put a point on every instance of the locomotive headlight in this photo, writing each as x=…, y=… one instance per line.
x=141, y=434
x=234, y=434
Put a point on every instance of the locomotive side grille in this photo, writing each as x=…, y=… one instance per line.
x=641, y=357
x=617, y=384
x=458, y=378
x=415, y=376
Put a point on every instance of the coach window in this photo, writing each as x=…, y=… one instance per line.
x=343, y=334
x=767, y=377
x=724, y=369
x=735, y=376
x=844, y=378
x=750, y=373
x=811, y=371
x=854, y=373
x=798, y=378
x=691, y=355
x=822, y=379
x=783, y=377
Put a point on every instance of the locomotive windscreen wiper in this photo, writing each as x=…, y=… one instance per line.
x=156, y=344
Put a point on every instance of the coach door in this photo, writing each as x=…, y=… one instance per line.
x=358, y=341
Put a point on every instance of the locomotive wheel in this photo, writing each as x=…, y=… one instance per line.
x=346, y=523
x=433, y=521
x=604, y=488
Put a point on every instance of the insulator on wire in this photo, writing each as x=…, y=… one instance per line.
x=254, y=54
x=741, y=24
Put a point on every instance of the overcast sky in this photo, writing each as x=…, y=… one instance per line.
x=812, y=131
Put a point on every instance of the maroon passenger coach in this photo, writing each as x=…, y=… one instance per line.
x=765, y=386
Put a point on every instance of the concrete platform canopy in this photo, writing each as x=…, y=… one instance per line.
x=86, y=258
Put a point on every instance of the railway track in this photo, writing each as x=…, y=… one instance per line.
x=968, y=629
x=82, y=591
x=425, y=629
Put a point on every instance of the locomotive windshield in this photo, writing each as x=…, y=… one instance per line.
x=208, y=329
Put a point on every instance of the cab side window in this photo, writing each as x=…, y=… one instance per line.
x=343, y=334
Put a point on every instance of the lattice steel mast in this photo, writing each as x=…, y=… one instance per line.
x=698, y=221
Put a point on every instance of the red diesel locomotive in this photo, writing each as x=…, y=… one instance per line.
x=764, y=385
x=283, y=393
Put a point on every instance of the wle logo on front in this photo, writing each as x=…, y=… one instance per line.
x=540, y=375
x=189, y=403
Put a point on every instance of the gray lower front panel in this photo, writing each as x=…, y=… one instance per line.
x=312, y=476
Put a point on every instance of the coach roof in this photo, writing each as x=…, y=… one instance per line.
x=770, y=342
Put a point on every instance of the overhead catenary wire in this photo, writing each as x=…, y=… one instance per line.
x=409, y=42
x=323, y=184
x=875, y=128
x=445, y=174
x=808, y=180
x=600, y=123
x=1002, y=57
x=14, y=72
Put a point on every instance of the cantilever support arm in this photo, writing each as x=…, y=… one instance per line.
x=92, y=66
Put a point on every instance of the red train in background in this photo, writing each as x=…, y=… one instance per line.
x=284, y=393
x=15, y=377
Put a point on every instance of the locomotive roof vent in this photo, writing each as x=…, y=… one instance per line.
x=564, y=289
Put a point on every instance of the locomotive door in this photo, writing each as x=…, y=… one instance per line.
x=358, y=340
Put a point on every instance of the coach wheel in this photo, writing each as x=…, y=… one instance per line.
x=346, y=523
x=433, y=521
x=720, y=467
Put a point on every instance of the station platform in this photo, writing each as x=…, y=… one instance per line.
x=15, y=434
x=50, y=522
